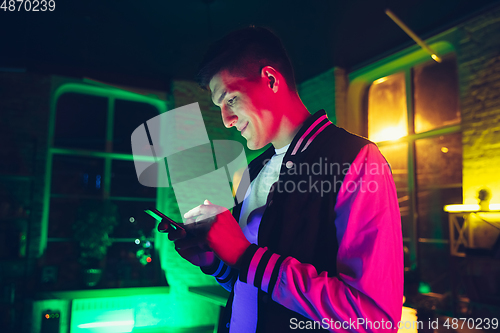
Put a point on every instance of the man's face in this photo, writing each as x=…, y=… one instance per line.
x=245, y=105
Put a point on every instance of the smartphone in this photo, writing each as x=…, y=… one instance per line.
x=165, y=222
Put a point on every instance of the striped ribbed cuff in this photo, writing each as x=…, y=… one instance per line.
x=212, y=268
x=260, y=267
x=218, y=269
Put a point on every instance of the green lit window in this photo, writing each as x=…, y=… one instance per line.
x=414, y=117
x=91, y=161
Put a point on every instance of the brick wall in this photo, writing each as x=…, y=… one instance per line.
x=478, y=57
x=319, y=93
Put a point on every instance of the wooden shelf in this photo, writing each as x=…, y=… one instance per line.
x=213, y=294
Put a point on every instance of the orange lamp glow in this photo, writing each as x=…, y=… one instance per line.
x=389, y=133
x=387, y=115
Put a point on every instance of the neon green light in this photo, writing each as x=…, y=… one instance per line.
x=108, y=92
x=424, y=288
x=91, y=153
x=399, y=61
x=109, y=324
x=153, y=214
x=468, y=208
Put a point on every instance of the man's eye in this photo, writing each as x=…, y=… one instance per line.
x=231, y=101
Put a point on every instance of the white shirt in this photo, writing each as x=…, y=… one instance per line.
x=244, y=310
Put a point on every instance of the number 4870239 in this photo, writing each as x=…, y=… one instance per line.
x=28, y=5
x=471, y=323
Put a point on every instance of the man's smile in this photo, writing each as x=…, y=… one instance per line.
x=243, y=128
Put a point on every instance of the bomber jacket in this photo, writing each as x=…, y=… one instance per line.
x=337, y=263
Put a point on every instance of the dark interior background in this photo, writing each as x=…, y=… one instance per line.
x=149, y=43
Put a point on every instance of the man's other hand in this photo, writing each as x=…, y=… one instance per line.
x=223, y=234
x=193, y=249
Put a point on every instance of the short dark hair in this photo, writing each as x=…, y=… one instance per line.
x=244, y=53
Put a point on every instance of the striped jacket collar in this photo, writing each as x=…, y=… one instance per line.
x=313, y=126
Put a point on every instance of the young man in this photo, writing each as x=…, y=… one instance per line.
x=319, y=243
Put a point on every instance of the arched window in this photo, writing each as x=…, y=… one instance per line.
x=409, y=105
x=90, y=161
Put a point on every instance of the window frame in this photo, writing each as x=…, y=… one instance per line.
x=112, y=94
x=356, y=120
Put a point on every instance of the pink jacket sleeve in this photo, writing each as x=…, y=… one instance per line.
x=366, y=295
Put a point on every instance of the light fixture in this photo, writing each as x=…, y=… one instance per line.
x=410, y=33
x=468, y=208
x=382, y=79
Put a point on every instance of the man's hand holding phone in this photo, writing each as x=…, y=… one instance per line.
x=209, y=230
x=190, y=245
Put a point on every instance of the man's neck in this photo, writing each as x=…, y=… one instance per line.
x=294, y=115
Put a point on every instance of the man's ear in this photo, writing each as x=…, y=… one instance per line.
x=271, y=77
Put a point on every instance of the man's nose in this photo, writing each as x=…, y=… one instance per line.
x=228, y=117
